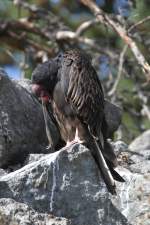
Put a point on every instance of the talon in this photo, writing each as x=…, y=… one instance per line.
x=76, y=140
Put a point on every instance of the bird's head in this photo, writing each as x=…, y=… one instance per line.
x=44, y=79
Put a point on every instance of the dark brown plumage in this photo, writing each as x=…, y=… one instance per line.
x=82, y=90
x=77, y=100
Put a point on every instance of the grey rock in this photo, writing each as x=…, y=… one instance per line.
x=13, y=167
x=25, y=83
x=140, y=156
x=133, y=195
x=119, y=146
x=66, y=184
x=141, y=143
x=22, y=128
x=15, y=213
x=2, y=172
x=113, y=115
x=33, y=158
x=140, y=148
x=140, y=167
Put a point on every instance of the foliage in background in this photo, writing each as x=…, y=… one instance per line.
x=30, y=32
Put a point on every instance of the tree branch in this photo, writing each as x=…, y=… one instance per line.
x=138, y=23
x=121, y=60
x=73, y=36
x=84, y=26
x=106, y=19
x=14, y=33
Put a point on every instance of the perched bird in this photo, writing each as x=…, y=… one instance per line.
x=71, y=84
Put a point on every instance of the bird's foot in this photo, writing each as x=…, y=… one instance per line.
x=76, y=140
x=69, y=143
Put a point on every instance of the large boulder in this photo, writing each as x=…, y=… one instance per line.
x=65, y=184
x=22, y=128
x=113, y=115
x=141, y=143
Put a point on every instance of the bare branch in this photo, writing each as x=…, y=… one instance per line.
x=22, y=25
x=14, y=33
x=114, y=88
x=40, y=13
x=73, y=36
x=106, y=19
x=63, y=35
x=138, y=23
x=146, y=110
x=84, y=26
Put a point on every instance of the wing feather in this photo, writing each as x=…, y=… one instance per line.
x=84, y=92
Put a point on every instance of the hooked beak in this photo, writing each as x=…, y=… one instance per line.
x=39, y=91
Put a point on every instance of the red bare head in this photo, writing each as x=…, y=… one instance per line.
x=41, y=92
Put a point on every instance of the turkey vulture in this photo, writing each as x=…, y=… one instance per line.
x=71, y=84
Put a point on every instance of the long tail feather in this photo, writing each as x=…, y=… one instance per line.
x=106, y=173
x=116, y=175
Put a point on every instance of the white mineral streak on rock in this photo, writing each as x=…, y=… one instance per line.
x=55, y=166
